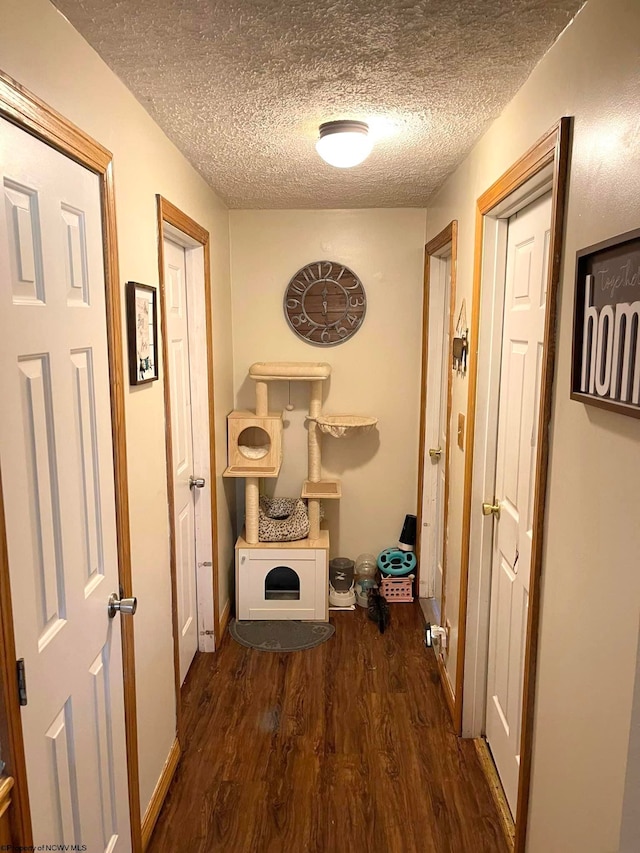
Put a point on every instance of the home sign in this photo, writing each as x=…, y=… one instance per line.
x=606, y=325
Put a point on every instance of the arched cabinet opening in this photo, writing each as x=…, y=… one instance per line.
x=282, y=584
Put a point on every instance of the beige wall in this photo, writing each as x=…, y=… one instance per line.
x=376, y=372
x=44, y=53
x=591, y=585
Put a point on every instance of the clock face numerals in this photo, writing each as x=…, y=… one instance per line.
x=325, y=303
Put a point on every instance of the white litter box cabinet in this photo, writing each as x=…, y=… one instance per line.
x=283, y=580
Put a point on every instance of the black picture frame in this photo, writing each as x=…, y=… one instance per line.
x=142, y=332
x=605, y=366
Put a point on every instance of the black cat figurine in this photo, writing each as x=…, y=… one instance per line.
x=378, y=609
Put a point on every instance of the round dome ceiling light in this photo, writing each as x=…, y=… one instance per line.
x=344, y=143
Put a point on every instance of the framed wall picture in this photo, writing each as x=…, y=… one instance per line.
x=142, y=330
x=605, y=368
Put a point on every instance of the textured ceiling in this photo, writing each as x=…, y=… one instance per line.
x=241, y=86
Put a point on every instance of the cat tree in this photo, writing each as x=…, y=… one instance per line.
x=255, y=452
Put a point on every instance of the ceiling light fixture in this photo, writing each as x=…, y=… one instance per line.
x=344, y=143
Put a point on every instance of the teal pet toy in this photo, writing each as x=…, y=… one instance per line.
x=395, y=562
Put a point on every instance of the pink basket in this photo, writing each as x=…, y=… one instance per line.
x=397, y=589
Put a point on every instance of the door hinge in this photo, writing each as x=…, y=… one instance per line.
x=22, y=681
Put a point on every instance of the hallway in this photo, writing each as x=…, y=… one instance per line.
x=348, y=746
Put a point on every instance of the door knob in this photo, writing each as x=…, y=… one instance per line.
x=196, y=482
x=491, y=509
x=126, y=606
x=435, y=452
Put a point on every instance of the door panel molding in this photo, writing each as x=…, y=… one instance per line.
x=29, y=113
x=551, y=151
x=169, y=214
x=447, y=237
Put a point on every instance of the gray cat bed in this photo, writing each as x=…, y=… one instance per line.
x=282, y=519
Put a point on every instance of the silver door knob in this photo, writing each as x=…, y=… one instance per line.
x=435, y=452
x=127, y=606
x=196, y=482
x=491, y=509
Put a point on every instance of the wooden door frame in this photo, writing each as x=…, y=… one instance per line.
x=11, y=720
x=551, y=151
x=434, y=248
x=169, y=214
x=28, y=112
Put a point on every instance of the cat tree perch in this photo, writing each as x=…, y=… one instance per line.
x=340, y=425
x=313, y=488
x=255, y=452
x=255, y=440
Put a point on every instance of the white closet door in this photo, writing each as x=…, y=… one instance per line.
x=56, y=457
x=179, y=368
x=522, y=358
x=432, y=549
x=441, y=462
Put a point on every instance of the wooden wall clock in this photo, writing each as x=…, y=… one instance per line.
x=325, y=303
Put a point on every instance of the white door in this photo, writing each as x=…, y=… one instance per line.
x=438, y=373
x=56, y=457
x=520, y=376
x=188, y=429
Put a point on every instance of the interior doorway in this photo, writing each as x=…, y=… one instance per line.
x=509, y=507
x=519, y=228
x=190, y=435
x=435, y=431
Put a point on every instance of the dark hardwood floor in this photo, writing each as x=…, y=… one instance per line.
x=345, y=747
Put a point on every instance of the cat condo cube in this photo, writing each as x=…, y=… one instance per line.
x=254, y=444
x=287, y=579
